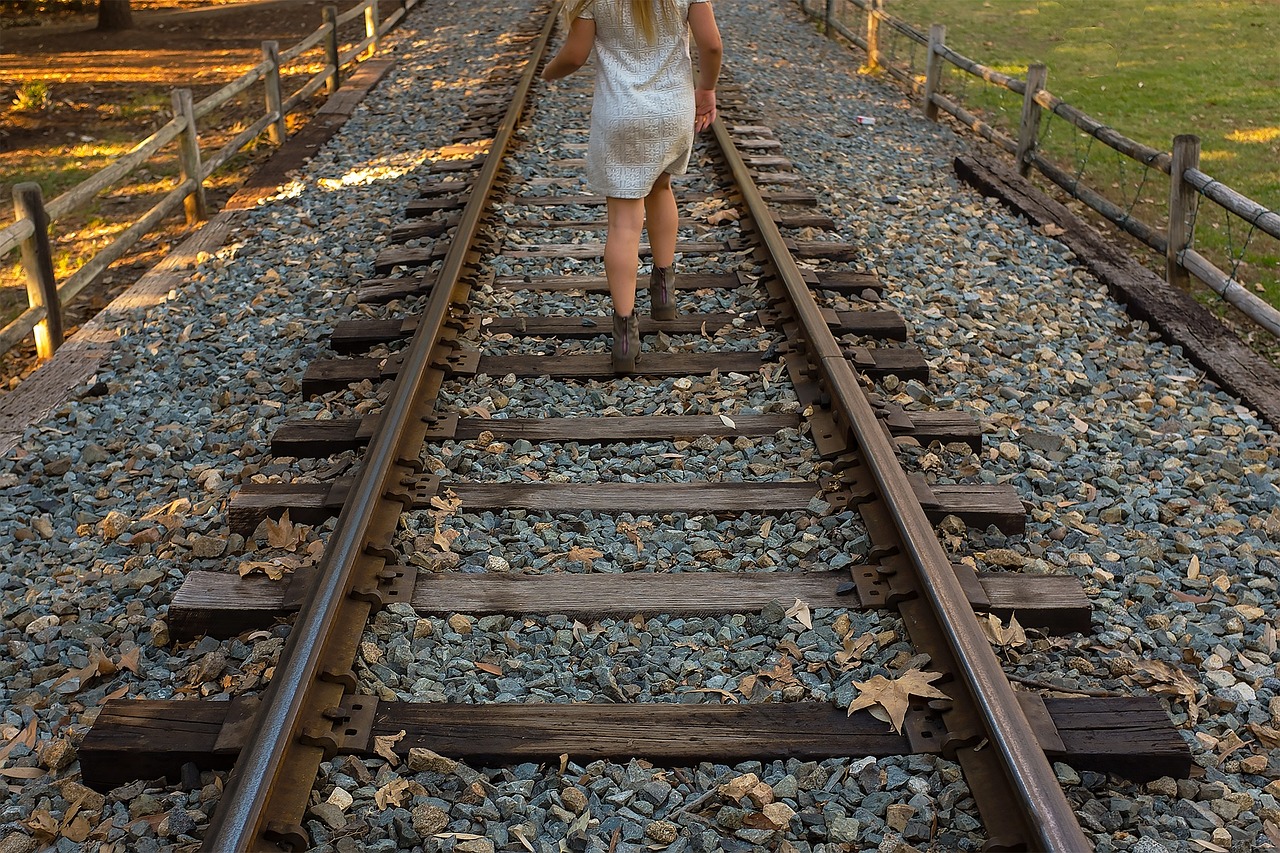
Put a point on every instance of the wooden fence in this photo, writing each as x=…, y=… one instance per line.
x=29, y=232
x=1188, y=185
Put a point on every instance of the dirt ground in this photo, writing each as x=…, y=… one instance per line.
x=97, y=94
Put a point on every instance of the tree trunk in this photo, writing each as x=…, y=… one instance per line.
x=114, y=15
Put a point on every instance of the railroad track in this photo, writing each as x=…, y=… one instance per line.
x=473, y=209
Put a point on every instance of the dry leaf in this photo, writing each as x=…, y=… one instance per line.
x=853, y=649
x=447, y=503
x=491, y=668
x=1209, y=845
x=1004, y=637
x=1165, y=678
x=384, y=746
x=766, y=527
x=524, y=842
x=1228, y=745
x=1193, y=567
x=722, y=216
x=728, y=421
x=22, y=772
x=273, y=569
x=725, y=695
x=283, y=534
x=444, y=538
x=42, y=823
x=894, y=695
x=129, y=660
x=631, y=532
x=800, y=612
x=115, y=694
x=1049, y=229
x=391, y=793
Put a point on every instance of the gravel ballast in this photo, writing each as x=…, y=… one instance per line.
x=1142, y=478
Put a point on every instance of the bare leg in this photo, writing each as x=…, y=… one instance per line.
x=662, y=217
x=622, y=252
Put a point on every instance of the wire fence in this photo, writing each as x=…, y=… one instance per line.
x=1204, y=229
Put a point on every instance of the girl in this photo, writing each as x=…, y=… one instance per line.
x=643, y=117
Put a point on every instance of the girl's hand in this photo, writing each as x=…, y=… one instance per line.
x=704, y=109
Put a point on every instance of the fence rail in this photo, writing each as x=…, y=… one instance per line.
x=1187, y=185
x=29, y=232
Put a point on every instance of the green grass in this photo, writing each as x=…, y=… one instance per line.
x=1152, y=69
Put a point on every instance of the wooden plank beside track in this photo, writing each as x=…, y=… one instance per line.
x=1177, y=315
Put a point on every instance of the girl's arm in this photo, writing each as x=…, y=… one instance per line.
x=575, y=50
x=706, y=35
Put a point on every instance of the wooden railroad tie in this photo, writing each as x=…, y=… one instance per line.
x=148, y=739
x=865, y=286
x=223, y=604
x=325, y=375
x=311, y=503
x=309, y=438
x=350, y=336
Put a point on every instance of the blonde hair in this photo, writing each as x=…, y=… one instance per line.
x=645, y=13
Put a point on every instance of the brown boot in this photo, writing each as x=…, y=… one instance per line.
x=662, y=293
x=626, y=342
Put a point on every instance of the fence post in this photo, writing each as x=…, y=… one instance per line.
x=195, y=205
x=276, y=131
x=1183, y=199
x=1029, y=127
x=829, y=17
x=933, y=69
x=371, y=26
x=874, y=8
x=37, y=263
x=331, y=49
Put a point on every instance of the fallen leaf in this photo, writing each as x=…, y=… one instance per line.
x=1192, y=599
x=1209, y=845
x=728, y=421
x=800, y=612
x=1002, y=636
x=894, y=695
x=851, y=653
x=22, y=772
x=1193, y=567
x=273, y=569
x=129, y=660
x=491, y=668
x=391, y=793
x=283, y=534
x=383, y=745
x=447, y=503
x=444, y=538
x=1165, y=678
x=115, y=694
x=721, y=216
x=1050, y=229
x=725, y=695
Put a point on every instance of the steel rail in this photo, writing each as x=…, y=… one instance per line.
x=1029, y=772
x=239, y=822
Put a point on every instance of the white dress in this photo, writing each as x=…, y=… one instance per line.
x=642, y=111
